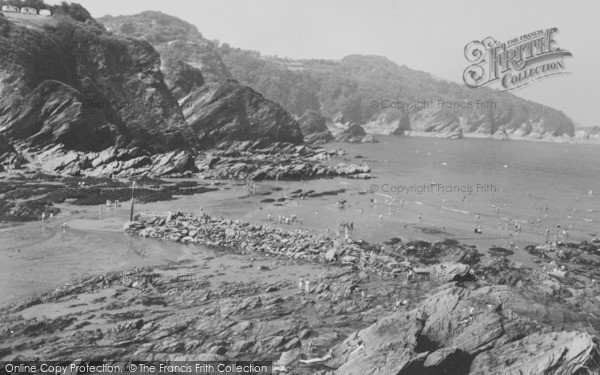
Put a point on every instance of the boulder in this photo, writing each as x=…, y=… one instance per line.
x=445, y=272
x=403, y=126
x=352, y=134
x=369, y=138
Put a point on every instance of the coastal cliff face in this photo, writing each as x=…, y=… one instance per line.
x=216, y=107
x=68, y=82
x=228, y=111
x=72, y=91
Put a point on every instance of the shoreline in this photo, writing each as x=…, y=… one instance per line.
x=248, y=292
x=235, y=201
x=386, y=130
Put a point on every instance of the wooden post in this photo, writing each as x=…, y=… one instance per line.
x=132, y=200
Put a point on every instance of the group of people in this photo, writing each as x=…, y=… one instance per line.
x=286, y=219
x=116, y=203
x=50, y=217
x=304, y=285
x=346, y=224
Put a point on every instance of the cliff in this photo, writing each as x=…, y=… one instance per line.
x=77, y=99
x=68, y=82
x=229, y=111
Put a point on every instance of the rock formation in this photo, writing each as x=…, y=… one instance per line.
x=403, y=125
x=463, y=332
x=74, y=84
x=353, y=134
x=314, y=127
x=73, y=92
x=280, y=161
x=229, y=111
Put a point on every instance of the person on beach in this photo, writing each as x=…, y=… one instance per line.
x=301, y=284
x=420, y=218
x=307, y=286
x=43, y=216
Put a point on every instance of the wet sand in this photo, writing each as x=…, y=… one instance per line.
x=36, y=258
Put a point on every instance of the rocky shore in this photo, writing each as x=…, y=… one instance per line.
x=281, y=161
x=416, y=307
x=479, y=313
x=299, y=244
x=230, y=159
x=110, y=162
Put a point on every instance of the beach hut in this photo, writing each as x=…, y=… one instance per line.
x=45, y=12
x=10, y=8
x=27, y=10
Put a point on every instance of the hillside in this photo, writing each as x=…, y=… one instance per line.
x=376, y=92
x=175, y=40
x=344, y=91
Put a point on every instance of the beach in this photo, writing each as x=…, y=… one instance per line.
x=94, y=243
x=289, y=271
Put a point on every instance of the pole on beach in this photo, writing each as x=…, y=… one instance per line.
x=132, y=200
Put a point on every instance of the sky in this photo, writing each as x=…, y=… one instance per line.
x=427, y=35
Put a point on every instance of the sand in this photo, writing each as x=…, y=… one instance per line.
x=36, y=258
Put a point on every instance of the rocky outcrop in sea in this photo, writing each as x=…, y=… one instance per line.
x=355, y=134
x=314, y=127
